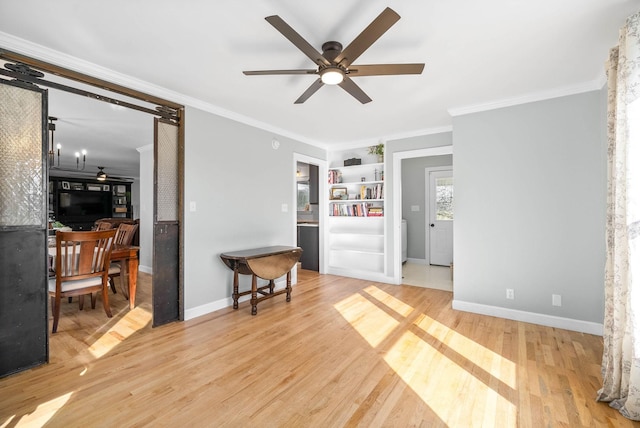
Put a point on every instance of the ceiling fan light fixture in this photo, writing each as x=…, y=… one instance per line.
x=332, y=76
x=101, y=176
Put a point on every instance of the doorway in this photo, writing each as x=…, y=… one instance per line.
x=409, y=203
x=428, y=259
x=170, y=112
x=310, y=210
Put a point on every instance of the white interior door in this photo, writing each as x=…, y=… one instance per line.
x=441, y=217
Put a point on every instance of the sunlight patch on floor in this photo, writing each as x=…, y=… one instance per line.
x=118, y=332
x=41, y=415
x=397, y=305
x=418, y=364
x=432, y=369
x=373, y=324
x=494, y=364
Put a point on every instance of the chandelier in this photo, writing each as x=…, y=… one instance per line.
x=55, y=150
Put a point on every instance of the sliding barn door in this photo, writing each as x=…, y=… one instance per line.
x=167, y=276
x=23, y=227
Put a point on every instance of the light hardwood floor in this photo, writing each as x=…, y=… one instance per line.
x=343, y=352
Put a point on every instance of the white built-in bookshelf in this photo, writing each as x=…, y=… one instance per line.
x=355, y=235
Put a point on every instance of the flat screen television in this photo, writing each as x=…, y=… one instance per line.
x=83, y=206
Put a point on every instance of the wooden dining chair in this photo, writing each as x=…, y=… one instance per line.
x=82, y=262
x=102, y=225
x=124, y=236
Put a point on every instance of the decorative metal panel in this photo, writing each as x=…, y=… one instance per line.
x=21, y=157
x=166, y=275
x=167, y=172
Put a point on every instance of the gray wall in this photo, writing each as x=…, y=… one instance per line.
x=135, y=198
x=530, y=206
x=239, y=183
x=413, y=193
x=146, y=208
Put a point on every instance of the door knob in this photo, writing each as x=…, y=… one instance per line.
x=432, y=225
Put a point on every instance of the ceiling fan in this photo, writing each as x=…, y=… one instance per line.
x=335, y=65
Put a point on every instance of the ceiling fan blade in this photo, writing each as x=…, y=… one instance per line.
x=369, y=35
x=269, y=72
x=297, y=40
x=310, y=91
x=349, y=86
x=385, y=69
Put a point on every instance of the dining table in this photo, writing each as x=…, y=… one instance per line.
x=128, y=255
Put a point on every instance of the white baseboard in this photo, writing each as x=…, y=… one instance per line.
x=360, y=274
x=224, y=303
x=530, y=317
x=145, y=269
x=417, y=261
x=210, y=307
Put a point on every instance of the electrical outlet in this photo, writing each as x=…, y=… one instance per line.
x=556, y=300
x=510, y=294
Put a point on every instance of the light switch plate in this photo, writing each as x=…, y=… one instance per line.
x=192, y=206
x=415, y=207
x=285, y=208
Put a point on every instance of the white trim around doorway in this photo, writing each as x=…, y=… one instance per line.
x=397, y=200
x=322, y=204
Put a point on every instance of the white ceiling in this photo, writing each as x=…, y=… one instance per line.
x=477, y=53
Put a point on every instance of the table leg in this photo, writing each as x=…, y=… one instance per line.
x=235, y=294
x=133, y=280
x=289, y=286
x=124, y=279
x=254, y=295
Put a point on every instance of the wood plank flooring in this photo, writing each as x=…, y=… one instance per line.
x=343, y=352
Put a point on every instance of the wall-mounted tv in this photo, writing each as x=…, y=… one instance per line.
x=83, y=206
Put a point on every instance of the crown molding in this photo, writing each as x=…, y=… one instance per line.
x=42, y=53
x=393, y=137
x=592, y=85
x=601, y=80
x=45, y=54
x=145, y=148
x=420, y=133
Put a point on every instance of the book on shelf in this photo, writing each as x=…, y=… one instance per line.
x=375, y=212
x=375, y=192
x=378, y=191
x=361, y=209
x=335, y=177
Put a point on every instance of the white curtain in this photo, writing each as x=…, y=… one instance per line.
x=621, y=358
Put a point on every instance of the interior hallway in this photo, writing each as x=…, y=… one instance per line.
x=427, y=276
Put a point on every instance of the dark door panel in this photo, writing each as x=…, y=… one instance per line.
x=167, y=271
x=23, y=300
x=23, y=227
x=165, y=274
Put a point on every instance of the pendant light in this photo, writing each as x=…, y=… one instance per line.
x=101, y=176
